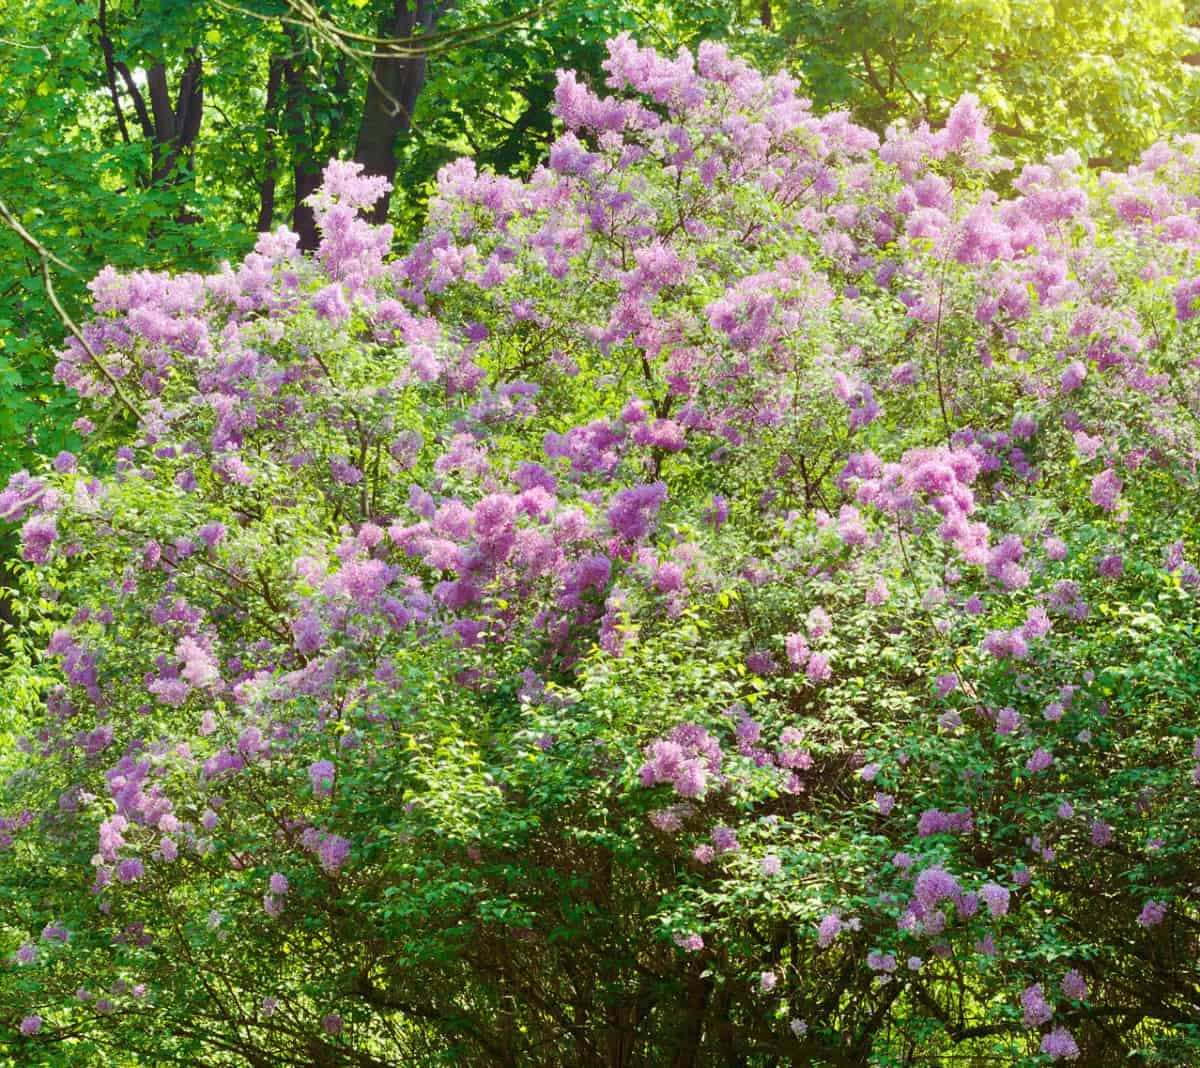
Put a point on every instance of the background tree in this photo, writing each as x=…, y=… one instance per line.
x=1103, y=78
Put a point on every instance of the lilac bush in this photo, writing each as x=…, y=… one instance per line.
x=662, y=617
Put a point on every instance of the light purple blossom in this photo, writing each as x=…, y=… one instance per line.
x=1152, y=914
x=996, y=897
x=1040, y=760
x=321, y=773
x=632, y=512
x=37, y=536
x=689, y=943
x=818, y=669
x=828, y=929
x=881, y=962
x=1060, y=1045
x=1075, y=986
x=933, y=886
x=130, y=870
x=1035, y=1010
x=1106, y=488
x=332, y=852
x=1073, y=376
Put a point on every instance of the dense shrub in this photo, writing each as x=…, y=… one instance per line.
x=727, y=599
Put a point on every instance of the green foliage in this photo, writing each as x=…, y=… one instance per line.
x=1103, y=78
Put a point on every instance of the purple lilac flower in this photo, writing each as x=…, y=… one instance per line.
x=1152, y=914
x=796, y=646
x=996, y=897
x=37, y=535
x=1035, y=1010
x=717, y=513
x=1060, y=1045
x=55, y=932
x=933, y=886
x=1075, y=986
x=1073, y=376
x=1187, y=299
x=1106, y=488
x=321, y=773
x=724, y=840
x=332, y=852
x=828, y=929
x=1040, y=760
x=819, y=623
x=211, y=533
x=1007, y=720
x=130, y=870
x=631, y=512
x=818, y=669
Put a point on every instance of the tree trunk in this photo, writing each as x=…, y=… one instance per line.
x=392, y=93
x=175, y=128
x=306, y=175
x=266, y=188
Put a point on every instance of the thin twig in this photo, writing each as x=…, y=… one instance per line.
x=47, y=257
x=32, y=48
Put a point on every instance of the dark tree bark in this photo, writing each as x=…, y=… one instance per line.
x=392, y=92
x=175, y=127
x=266, y=188
x=110, y=69
x=306, y=175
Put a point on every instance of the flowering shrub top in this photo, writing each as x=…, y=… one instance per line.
x=728, y=595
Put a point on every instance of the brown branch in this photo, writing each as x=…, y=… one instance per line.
x=110, y=70
x=139, y=101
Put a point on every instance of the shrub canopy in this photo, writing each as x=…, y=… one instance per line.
x=726, y=599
